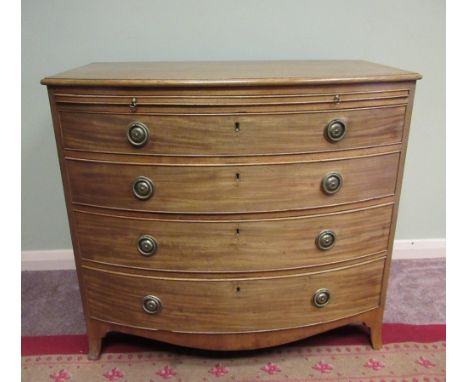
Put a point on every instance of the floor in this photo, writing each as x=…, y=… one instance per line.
x=51, y=305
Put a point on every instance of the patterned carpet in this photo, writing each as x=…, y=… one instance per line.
x=412, y=353
x=396, y=362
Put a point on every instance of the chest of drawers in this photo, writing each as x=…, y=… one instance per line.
x=231, y=205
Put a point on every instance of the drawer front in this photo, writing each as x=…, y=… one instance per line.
x=230, y=189
x=240, y=246
x=230, y=134
x=233, y=305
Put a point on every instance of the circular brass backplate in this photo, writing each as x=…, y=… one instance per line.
x=151, y=304
x=142, y=188
x=147, y=245
x=321, y=297
x=335, y=130
x=325, y=240
x=137, y=134
x=332, y=183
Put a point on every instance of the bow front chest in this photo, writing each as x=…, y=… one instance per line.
x=231, y=205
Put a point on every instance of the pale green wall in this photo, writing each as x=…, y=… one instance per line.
x=59, y=35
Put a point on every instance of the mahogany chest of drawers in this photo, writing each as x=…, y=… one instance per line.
x=231, y=205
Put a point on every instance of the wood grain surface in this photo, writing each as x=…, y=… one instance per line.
x=231, y=189
x=229, y=341
x=232, y=135
x=236, y=246
x=235, y=305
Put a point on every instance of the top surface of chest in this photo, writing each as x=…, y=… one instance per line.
x=228, y=73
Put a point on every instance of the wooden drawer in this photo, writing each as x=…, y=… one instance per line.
x=235, y=305
x=218, y=134
x=234, y=246
x=231, y=189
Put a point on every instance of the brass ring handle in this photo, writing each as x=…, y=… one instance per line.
x=137, y=134
x=332, y=182
x=147, y=245
x=325, y=240
x=335, y=130
x=151, y=304
x=321, y=297
x=142, y=188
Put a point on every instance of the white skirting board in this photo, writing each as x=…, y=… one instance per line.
x=63, y=258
